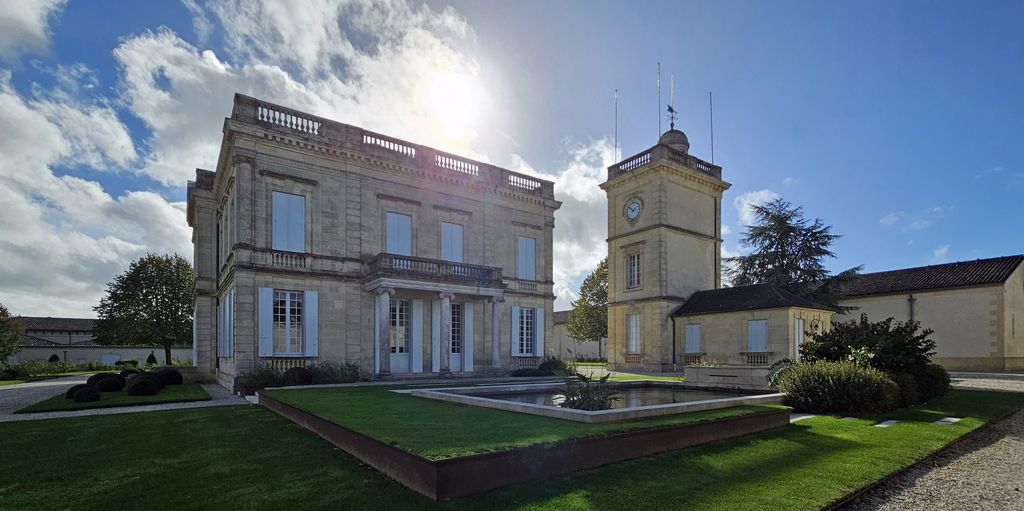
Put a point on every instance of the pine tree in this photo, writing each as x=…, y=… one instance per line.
x=787, y=251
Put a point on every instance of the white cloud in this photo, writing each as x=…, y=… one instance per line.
x=789, y=181
x=744, y=204
x=889, y=219
x=989, y=172
x=940, y=254
x=726, y=230
x=24, y=28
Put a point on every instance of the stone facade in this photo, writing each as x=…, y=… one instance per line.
x=349, y=180
x=664, y=209
x=978, y=328
x=724, y=336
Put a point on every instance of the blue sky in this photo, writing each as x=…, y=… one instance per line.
x=899, y=123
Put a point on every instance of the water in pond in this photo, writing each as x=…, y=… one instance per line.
x=629, y=397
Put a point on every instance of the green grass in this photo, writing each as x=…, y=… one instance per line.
x=169, y=394
x=590, y=364
x=249, y=458
x=444, y=430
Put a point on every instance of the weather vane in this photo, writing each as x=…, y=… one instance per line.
x=672, y=99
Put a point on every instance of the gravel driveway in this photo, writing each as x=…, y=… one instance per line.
x=15, y=397
x=984, y=472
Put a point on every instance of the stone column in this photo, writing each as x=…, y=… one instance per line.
x=384, y=327
x=496, y=302
x=446, y=332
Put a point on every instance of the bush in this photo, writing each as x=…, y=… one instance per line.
x=776, y=370
x=39, y=367
x=169, y=376
x=932, y=382
x=156, y=376
x=143, y=385
x=127, y=363
x=298, y=376
x=13, y=373
x=556, y=366
x=598, y=360
x=151, y=359
x=330, y=372
x=110, y=384
x=262, y=376
x=888, y=345
x=838, y=387
x=908, y=389
x=584, y=393
x=70, y=394
x=86, y=394
x=54, y=359
x=100, y=376
x=129, y=372
x=181, y=362
x=94, y=366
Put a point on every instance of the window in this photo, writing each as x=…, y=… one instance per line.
x=399, y=234
x=633, y=271
x=526, y=258
x=757, y=335
x=527, y=330
x=693, y=338
x=632, y=333
x=289, y=222
x=798, y=335
x=288, y=322
x=225, y=325
x=451, y=242
x=457, y=329
x=400, y=330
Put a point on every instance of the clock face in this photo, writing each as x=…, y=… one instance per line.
x=633, y=210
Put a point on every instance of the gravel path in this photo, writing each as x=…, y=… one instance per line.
x=983, y=472
x=15, y=397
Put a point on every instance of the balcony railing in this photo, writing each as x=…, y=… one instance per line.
x=757, y=358
x=660, y=152
x=693, y=358
x=407, y=266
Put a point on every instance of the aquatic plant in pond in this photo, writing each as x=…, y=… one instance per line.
x=585, y=393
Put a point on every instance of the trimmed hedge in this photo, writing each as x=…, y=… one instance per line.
x=156, y=376
x=86, y=394
x=169, y=376
x=932, y=381
x=131, y=371
x=110, y=384
x=298, y=376
x=143, y=385
x=838, y=387
x=70, y=394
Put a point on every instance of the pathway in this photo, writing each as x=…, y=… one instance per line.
x=985, y=471
x=15, y=397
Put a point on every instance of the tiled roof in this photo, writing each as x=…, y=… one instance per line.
x=741, y=298
x=560, y=317
x=31, y=341
x=940, y=276
x=57, y=324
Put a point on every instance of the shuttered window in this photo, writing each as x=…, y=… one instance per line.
x=289, y=222
x=399, y=234
x=451, y=242
x=757, y=335
x=693, y=338
x=526, y=258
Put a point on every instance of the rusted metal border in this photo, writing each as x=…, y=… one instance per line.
x=478, y=473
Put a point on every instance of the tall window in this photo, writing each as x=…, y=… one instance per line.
x=399, y=234
x=798, y=335
x=527, y=330
x=451, y=242
x=289, y=222
x=693, y=338
x=526, y=258
x=757, y=335
x=225, y=325
x=632, y=333
x=288, y=311
x=457, y=328
x=633, y=271
x=400, y=330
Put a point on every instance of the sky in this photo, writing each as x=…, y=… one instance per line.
x=898, y=123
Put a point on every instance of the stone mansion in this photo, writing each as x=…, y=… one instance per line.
x=317, y=240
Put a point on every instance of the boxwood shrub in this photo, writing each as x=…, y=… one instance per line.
x=129, y=372
x=70, y=394
x=143, y=385
x=99, y=376
x=838, y=387
x=86, y=394
x=169, y=376
x=932, y=381
x=110, y=384
x=298, y=376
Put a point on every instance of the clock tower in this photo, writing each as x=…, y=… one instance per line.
x=664, y=244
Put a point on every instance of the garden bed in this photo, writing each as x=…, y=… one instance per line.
x=472, y=474
x=169, y=394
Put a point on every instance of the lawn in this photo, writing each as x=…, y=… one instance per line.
x=589, y=364
x=44, y=377
x=445, y=430
x=169, y=394
x=249, y=458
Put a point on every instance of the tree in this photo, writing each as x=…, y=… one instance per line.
x=10, y=329
x=150, y=303
x=889, y=345
x=787, y=252
x=588, y=319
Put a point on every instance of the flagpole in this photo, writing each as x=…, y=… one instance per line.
x=659, y=99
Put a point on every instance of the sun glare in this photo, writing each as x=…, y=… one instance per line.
x=456, y=100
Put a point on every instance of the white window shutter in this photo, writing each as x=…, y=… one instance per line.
x=417, y=336
x=311, y=324
x=265, y=318
x=220, y=329
x=279, y=221
x=693, y=338
x=435, y=336
x=467, y=337
x=376, y=336
x=451, y=242
x=526, y=258
x=399, y=234
x=515, y=330
x=538, y=328
x=757, y=335
x=229, y=326
x=297, y=224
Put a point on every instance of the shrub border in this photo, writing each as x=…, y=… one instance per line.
x=477, y=473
